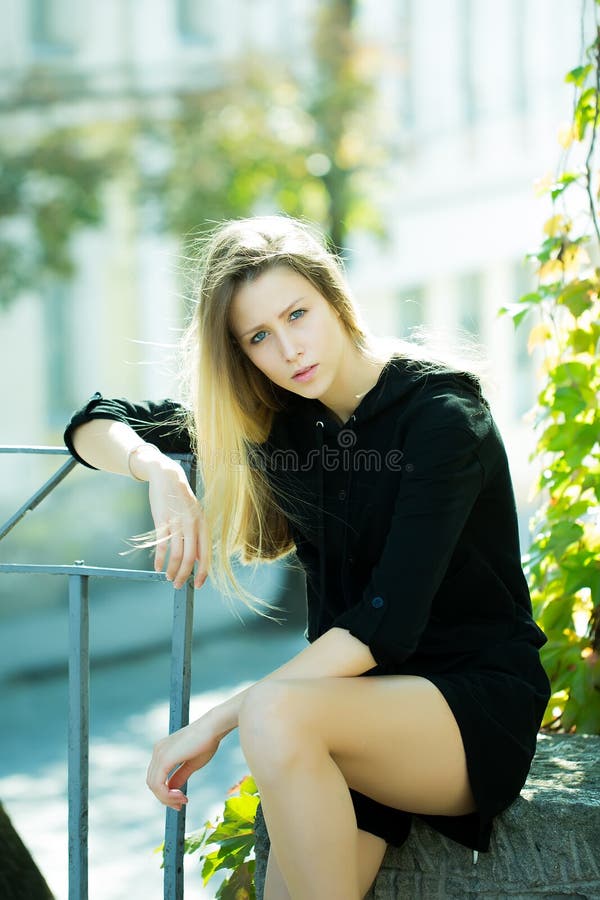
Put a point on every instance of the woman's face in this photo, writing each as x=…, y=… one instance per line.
x=285, y=326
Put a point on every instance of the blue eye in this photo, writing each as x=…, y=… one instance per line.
x=257, y=339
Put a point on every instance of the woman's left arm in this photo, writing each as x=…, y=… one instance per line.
x=337, y=653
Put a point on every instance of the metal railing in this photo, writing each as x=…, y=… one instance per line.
x=79, y=576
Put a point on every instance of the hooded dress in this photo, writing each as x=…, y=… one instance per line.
x=405, y=523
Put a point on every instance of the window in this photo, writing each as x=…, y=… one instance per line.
x=411, y=310
x=195, y=21
x=466, y=26
x=405, y=51
x=469, y=299
x=58, y=346
x=519, y=62
x=52, y=26
x=525, y=365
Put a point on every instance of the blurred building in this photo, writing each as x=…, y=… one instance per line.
x=473, y=93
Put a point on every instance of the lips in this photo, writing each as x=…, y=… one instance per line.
x=304, y=373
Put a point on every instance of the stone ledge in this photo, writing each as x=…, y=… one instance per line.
x=545, y=846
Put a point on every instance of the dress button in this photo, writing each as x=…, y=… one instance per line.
x=377, y=602
x=342, y=495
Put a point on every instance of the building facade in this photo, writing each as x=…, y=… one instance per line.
x=471, y=94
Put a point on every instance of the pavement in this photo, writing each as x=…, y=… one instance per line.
x=129, y=713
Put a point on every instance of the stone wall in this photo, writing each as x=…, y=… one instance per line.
x=545, y=845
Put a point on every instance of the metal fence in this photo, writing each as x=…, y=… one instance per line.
x=78, y=576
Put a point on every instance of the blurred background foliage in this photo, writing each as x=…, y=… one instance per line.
x=48, y=190
x=268, y=138
x=265, y=136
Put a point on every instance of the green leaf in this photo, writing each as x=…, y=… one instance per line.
x=588, y=718
x=194, y=840
x=568, y=372
x=564, y=534
x=562, y=183
x=243, y=807
x=240, y=885
x=248, y=785
x=515, y=311
x=578, y=75
x=569, y=401
x=582, y=340
x=556, y=616
x=577, y=297
x=585, y=112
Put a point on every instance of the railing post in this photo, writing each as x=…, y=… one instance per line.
x=183, y=609
x=179, y=716
x=79, y=678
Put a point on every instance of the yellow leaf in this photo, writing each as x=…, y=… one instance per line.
x=550, y=271
x=556, y=225
x=543, y=185
x=546, y=365
x=537, y=335
x=573, y=258
x=567, y=133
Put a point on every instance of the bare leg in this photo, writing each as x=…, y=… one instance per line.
x=307, y=740
x=371, y=850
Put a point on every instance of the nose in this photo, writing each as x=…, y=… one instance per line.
x=289, y=350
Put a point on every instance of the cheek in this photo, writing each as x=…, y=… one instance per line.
x=262, y=360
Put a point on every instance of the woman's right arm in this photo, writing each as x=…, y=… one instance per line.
x=114, y=447
x=111, y=444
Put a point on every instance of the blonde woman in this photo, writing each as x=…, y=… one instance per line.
x=383, y=469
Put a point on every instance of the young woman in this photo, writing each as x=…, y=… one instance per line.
x=386, y=473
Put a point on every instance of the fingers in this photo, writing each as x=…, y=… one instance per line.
x=202, y=554
x=158, y=782
x=179, y=778
x=185, y=550
x=175, y=559
x=180, y=527
x=186, y=544
x=160, y=553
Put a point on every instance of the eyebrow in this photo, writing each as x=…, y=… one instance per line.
x=257, y=328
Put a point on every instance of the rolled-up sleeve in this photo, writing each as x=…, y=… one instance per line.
x=440, y=483
x=161, y=423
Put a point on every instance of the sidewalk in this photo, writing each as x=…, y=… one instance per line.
x=129, y=713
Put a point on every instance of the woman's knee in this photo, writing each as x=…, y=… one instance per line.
x=271, y=734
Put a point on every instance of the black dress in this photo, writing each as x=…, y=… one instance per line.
x=405, y=523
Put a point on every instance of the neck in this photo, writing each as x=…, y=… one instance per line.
x=357, y=375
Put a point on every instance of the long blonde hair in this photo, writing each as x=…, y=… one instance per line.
x=232, y=403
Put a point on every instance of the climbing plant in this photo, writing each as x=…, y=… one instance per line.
x=232, y=837
x=563, y=562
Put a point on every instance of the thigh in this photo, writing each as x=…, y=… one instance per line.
x=394, y=737
x=371, y=850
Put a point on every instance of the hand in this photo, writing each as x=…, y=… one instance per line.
x=180, y=525
x=190, y=748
